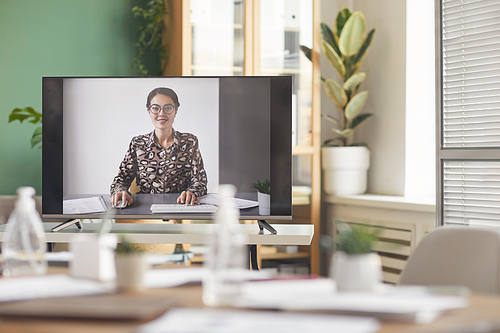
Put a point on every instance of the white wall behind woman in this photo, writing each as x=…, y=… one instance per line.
x=385, y=63
x=101, y=117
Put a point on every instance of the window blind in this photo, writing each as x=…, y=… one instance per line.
x=469, y=119
x=471, y=192
x=471, y=73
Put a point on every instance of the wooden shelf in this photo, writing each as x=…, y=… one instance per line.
x=198, y=258
x=303, y=150
x=277, y=256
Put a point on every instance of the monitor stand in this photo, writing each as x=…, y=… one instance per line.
x=66, y=224
x=263, y=224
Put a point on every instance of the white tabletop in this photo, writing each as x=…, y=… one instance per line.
x=288, y=234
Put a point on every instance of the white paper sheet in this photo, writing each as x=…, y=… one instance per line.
x=47, y=286
x=393, y=304
x=241, y=321
x=213, y=199
x=84, y=205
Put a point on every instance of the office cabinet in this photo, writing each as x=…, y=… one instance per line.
x=253, y=37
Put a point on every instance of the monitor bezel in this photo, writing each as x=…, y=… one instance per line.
x=280, y=148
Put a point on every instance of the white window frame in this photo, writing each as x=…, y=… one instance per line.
x=466, y=154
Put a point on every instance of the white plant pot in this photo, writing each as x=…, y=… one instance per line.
x=130, y=270
x=345, y=170
x=264, y=203
x=356, y=271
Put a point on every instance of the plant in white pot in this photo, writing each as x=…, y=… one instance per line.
x=355, y=265
x=345, y=163
x=131, y=265
x=263, y=196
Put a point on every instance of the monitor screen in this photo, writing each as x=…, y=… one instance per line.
x=155, y=138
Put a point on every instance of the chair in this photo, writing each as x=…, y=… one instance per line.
x=455, y=256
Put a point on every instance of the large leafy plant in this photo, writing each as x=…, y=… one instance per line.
x=150, y=34
x=345, y=46
x=34, y=117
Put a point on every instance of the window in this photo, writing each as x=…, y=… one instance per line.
x=469, y=116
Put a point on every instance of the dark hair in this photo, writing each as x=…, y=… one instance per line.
x=163, y=91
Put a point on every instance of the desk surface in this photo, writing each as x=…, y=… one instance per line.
x=166, y=233
x=140, y=208
x=483, y=312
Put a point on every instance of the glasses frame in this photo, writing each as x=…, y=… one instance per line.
x=162, y=109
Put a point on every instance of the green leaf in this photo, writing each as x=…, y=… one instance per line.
x=333, y=58
x=353, y=34
x=363, y=51
x=264, y=187
x=35, y=141
x=25, y=113
x=342, y=18
x=20, y=117
x=343, y=133
x=356, y=239
x=328, y=37
x=354, y=81
x=330, y=118
x=307, y=52
x=359, y=119
x=37, y=131
x=36, y=138
x=336, y=93
x=357, y=103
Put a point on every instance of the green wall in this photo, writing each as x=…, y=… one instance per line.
x=53, y=38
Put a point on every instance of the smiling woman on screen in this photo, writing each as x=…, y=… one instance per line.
x=163, y=161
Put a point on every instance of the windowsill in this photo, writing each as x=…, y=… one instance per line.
x=420, y=204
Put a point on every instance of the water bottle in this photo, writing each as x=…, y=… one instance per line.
x=24, y=243
x=226, y=262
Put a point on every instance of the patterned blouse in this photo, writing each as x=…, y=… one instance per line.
x=159, y=170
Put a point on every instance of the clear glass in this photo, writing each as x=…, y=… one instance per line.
x=227, y=258
x=217, y=37
x=285, y=25
x=24, y=244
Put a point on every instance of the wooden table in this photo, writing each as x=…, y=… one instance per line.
x=483, y=312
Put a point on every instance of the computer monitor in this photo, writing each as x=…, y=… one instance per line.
x=240, y=126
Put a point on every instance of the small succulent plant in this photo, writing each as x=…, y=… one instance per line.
x=264, y=187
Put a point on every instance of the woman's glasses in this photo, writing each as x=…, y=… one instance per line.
x=167, y=108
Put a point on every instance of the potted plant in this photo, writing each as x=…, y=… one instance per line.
x=131, y=265
x=263, y=196
x=355, y=265
x=345, y=163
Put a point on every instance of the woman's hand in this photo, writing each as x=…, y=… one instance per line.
x=122, y=196
x=188, y=198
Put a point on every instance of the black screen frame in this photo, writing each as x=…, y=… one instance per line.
x=280, y=90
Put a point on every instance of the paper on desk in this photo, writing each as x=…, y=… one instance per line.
x=239, y=321
x=213, y=199
x=167, y=278
x=316, y=295
x=84, y=205
x=47, y=286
